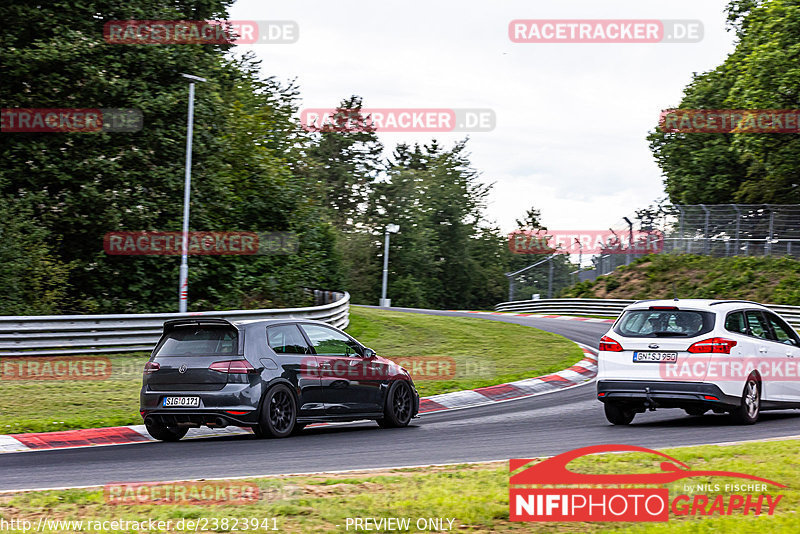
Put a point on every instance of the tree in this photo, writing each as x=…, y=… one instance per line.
x=344, y=163
x=89, y=184
x=32, y=279
x=531, y=220
x=445, y=254
x=762, y=73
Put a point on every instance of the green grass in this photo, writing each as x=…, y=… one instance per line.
x=50, y=405
x=762, y=279
x=475, y=495
x=484, y=353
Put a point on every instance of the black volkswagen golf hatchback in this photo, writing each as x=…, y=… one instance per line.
x=275, y=376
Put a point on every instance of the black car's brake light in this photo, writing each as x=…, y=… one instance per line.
x=151, y=367
x=238, y=367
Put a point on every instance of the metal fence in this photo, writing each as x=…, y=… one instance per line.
x=607, y=308
x=545, y=277
x=731, y=229
x=86, y=334
x=718, y=230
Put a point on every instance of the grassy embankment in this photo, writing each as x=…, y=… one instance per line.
x=761, y=279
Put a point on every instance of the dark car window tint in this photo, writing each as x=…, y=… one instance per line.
x=286, y=339
x=665, y=323
x=329, y=342
x=783, y=332
x=199, y=341
x=735, y=323
x=758, y=327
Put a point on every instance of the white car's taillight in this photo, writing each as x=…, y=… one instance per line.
x=610, y=345
x=714, y=345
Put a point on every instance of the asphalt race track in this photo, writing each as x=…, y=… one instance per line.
x=536, y=426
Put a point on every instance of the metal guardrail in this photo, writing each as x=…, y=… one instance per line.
x=608, y=308
x=86, y=334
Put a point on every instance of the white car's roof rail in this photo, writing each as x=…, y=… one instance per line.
x=735, y=302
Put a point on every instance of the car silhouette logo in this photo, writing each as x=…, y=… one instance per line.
x=182, y=369
x=653, y=345
x=554, y=470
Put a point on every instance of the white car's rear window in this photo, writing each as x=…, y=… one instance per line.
x=665, y=323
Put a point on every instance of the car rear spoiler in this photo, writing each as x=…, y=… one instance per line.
x=195, y=321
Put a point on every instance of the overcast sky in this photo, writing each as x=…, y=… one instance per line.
x=571, y=118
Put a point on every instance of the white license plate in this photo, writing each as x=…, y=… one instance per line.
x=181, y=402
x=655, y=357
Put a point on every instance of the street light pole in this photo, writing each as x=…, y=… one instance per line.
x=390, y=229
x=183, y=283
x=630, y=239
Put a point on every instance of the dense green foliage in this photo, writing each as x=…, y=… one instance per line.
x=762, y=279
x=77, y=187
x=762, y=73
x=254, y=169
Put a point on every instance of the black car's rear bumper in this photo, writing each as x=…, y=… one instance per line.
x=211, y=418
x=655, y=394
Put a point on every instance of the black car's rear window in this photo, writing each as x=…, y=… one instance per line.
x=665, y=323
x=199, y=341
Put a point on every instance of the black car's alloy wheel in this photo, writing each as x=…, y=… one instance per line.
x=278, y=413
x=399, y=406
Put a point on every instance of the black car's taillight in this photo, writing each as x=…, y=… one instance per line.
x=237, y=367
x=151, y=367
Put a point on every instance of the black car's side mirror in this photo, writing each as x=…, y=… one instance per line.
x=369, y=353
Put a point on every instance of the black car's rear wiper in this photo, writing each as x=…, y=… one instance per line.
x=669, y=334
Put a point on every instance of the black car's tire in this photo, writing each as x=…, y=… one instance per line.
x=278, y=416
x=617, y=415
x=165, y=433
x=398, y=407
x=748, y=411
x=695, y=411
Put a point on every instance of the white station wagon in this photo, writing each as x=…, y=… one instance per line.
x=729, y=356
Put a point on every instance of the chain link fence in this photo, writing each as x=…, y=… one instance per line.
x=721, y=230
x=542, y=279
